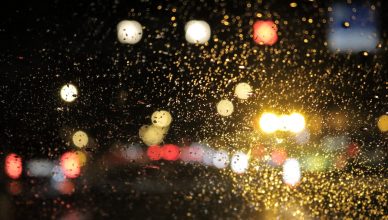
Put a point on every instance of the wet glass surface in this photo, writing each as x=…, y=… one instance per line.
x=193, y=110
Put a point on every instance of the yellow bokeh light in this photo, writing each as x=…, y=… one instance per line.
x=269, y=122
x=80, y=139
x=382, y=123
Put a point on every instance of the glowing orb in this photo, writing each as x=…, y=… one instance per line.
x=197, y=32
x=291, y=172
x=239, y=162
x=269, y=122
x=69, y=93
x=154, y=152
x=196, y=152
x=208, y=153
x=296, y=122
x=170, y=152
x=258, y=152
x=243, y=91
x=82, y=157
x=265, y=32
x=161, y=118
x=13, y=166
x=382, y=123
x=129, y=32
x=132, y=152
x=80, y=139
x=278, y=157
x=70, y=165
x=225, y=107
x=151, y=135
x=221, y=159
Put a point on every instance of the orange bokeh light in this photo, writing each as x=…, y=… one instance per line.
x=265, y=32
x=70, y=164
x=13, y=166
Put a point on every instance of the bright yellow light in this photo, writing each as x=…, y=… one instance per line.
x=269, y=122
x=296, y=123
x=383, y=123
x=80, y=139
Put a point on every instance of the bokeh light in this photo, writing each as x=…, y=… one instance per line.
x=243, y=91
x=269, y=122
x=152, y=135
x=296, y=122
x=70, y=165
x=13, y=166
x=239, y=162
x=278, y=156
x=225, y=107
x=69, y=93
x=197, y=32
x=161, y=118
x=170, y=152
x=291, y=172
x=80, y=139
x=382, y=123
x=221, y=159
x=129, y=32
x=154, y=152
x=265, y=32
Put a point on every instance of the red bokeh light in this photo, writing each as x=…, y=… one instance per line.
x=13, y=166
x=70, y=164
x=170, y=152
x=154, y=152
x=265, y=32
x=258, y=152
x=353, y=150
x=278, y=157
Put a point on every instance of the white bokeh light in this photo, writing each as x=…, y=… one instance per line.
x=239, y=163
x=197, y=32
x=269, y=122
x=243, y=91
x=225, y=107
x=291, y=172
x=129, y=32
x=220, y=159
x=69, y=92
